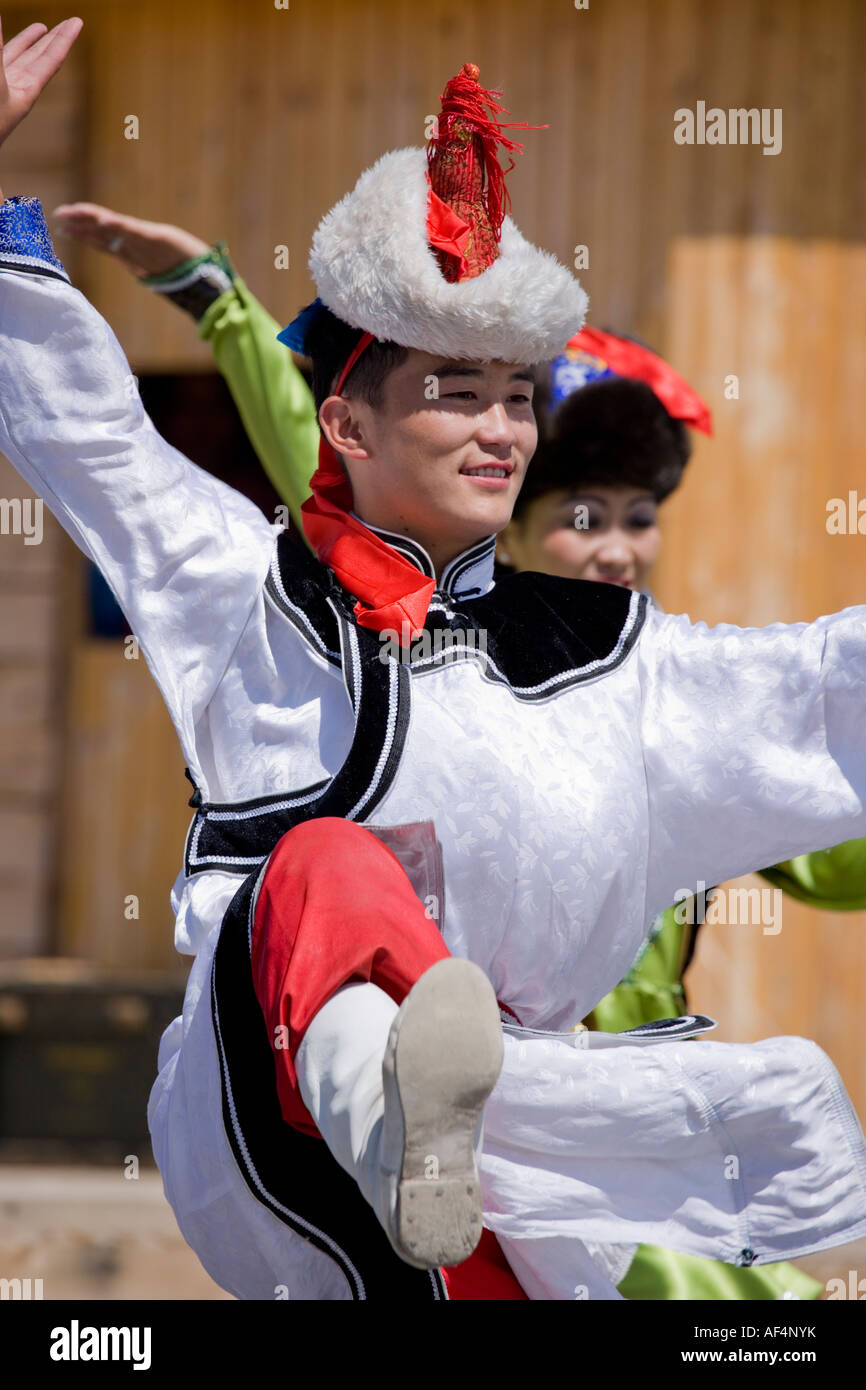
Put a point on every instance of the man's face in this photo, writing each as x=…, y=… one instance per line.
x=446, y=452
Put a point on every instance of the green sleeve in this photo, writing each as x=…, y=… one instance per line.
x=665, y=1276
x=274, y=401
x=834, y=879
x=653, y=988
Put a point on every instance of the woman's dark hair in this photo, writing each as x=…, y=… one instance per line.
x=614, y=433
x=329, y=343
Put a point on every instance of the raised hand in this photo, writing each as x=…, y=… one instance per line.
x=27, y=64
x=145, y=248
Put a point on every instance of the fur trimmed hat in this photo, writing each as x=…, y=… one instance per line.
x=421, y=253
x=611, y=412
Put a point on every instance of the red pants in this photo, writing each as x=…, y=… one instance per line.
x=335, y=906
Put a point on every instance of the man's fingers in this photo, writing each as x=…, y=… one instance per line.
x=31, y=50
x=30, y=44
x=15, y=47
x=41, y=60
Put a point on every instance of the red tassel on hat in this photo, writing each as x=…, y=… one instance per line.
x=468, y=198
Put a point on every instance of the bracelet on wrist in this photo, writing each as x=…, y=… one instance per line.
x=195, y=283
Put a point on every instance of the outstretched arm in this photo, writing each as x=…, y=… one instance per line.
x=754, y=745
x=272, y=397
x=184, y=554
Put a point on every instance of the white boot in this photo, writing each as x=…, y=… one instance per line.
x=398, y=1096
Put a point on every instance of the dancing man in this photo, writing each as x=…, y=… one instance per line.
x=384, y=850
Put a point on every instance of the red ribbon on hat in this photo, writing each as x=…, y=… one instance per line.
x=390, y=590
x=640, y=364
x=446, y=231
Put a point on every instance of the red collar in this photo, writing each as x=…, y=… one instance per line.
x=390, y=590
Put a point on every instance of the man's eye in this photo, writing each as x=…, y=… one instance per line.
x=524, y=400
x=459, y=395
x=642, y=522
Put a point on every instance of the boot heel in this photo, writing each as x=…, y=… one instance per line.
x=441, y=1221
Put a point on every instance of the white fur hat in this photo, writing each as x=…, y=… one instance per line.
x=485, y=294
x=375, y=269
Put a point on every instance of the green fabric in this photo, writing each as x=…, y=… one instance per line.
x=653, y=987
x=834, y=879
x=657, y=1275
x=274, y=401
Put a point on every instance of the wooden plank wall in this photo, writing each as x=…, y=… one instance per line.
x=126, y=813
x=748, y=543
x=254, y=120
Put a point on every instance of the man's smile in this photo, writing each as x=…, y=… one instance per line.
x=489, y=472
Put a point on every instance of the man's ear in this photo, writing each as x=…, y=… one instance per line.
x=343, y=427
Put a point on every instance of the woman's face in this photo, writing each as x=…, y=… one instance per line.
x=606, y=534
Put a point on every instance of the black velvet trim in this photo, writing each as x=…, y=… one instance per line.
x=196, y=298
x=300, y=586
x=684, y=1026
x=291, y=1173
x=34, y=270
x=229, y=838
x=543, y=634
x=382, y=713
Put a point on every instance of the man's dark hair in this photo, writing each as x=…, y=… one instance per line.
x=614, y=433
x=329, y=344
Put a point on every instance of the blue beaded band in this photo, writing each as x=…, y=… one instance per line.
x=25, y=241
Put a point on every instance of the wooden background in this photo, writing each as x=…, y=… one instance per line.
x=253, y=121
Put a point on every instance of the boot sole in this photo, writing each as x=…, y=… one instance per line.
x=443, y=1058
